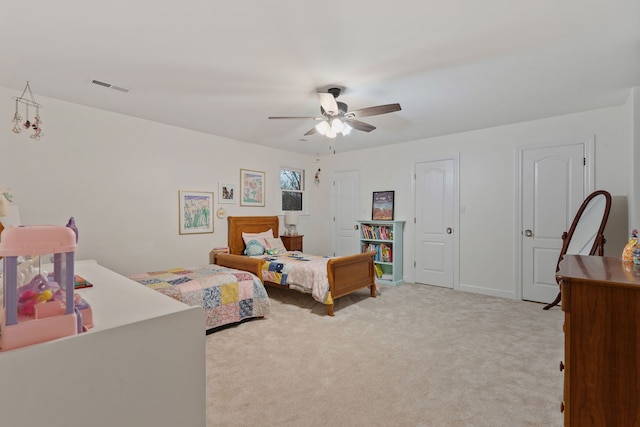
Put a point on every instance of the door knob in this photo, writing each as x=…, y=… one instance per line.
x=528, y=233
x=355, y=227
x=449, y=230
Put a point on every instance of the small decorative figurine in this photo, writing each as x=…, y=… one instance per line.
x=627, y=252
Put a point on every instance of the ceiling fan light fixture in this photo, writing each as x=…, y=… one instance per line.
x=323, y=127
x=337, y=125
x=336, y=119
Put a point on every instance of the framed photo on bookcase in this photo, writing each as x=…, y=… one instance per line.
x=382, y=207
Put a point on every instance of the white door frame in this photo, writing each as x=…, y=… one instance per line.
x=411, y=225
x=589, y=170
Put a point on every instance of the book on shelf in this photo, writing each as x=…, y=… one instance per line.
x=376, y=232
x=379, y=272
x=384, y=233
x=385, y=253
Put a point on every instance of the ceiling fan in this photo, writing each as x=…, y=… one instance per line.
x=337, y=119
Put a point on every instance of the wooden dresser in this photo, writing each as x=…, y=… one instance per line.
x=601, y=301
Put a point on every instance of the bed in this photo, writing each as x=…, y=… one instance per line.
x=228, y=296
x=344, y=275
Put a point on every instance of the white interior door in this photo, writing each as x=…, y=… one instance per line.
x=436, y=222
x=553, y=188
x=346, y=202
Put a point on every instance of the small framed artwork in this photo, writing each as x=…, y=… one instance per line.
x=382, y=208
x=196, y=212
x=227, y=192
x=251, y=188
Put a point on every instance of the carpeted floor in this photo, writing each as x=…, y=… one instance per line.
x=414, y=356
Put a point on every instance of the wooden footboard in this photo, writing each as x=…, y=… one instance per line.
x=350, y=273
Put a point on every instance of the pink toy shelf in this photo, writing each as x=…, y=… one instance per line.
x=46, y=308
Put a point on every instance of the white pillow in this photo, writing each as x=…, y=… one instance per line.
x=260, y=237
x=276, y=243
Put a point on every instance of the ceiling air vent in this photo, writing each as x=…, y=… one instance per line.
x=109, y=85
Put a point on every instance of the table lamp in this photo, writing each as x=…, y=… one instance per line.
x=290, y=221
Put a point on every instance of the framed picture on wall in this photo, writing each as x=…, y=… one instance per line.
x=196, y=211
x=251, y=188
x=227, y=192
x=382, y=208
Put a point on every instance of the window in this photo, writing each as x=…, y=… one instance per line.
x=292, y=186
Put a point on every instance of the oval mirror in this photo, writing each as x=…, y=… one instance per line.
x=583, y=239
x=586, y=234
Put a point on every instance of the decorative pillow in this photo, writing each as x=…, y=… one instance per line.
x=260, y=237
x=254, y=247
x=276, y=243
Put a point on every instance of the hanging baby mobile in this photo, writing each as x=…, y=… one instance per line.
x=28, y=123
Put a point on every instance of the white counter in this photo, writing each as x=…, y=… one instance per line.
x=142, y=364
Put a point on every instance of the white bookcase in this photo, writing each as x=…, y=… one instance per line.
x=385, y=239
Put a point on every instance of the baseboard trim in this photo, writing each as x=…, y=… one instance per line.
x=487, y=291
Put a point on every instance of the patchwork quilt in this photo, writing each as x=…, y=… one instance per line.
x=302, y=272
x=227, y=295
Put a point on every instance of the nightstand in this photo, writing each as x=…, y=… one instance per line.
x=292, y=243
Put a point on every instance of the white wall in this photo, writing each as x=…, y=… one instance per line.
x=487, y=187
x=633, y=116
x=119, y=177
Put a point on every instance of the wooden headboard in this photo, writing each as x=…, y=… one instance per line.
x=249, y=224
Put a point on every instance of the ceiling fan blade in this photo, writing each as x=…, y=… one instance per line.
x=374, y=111
x=328, y=103
x=357, y=124
x=298, y=117
x=311, y=131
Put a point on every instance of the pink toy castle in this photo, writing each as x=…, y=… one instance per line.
x=45, y=308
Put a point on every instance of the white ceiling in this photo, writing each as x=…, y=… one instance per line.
x=223, y=67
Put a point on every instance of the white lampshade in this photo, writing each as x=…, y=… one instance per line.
x=346, y=130
x=337, y=125
x=322, y=127
x=291, y=218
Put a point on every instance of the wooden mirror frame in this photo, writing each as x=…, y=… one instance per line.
x=598, y=242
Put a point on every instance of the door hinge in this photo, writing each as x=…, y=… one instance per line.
x=414, y=264
x=584, y=161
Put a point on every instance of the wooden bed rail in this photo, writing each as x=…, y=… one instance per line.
x=252, y=265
